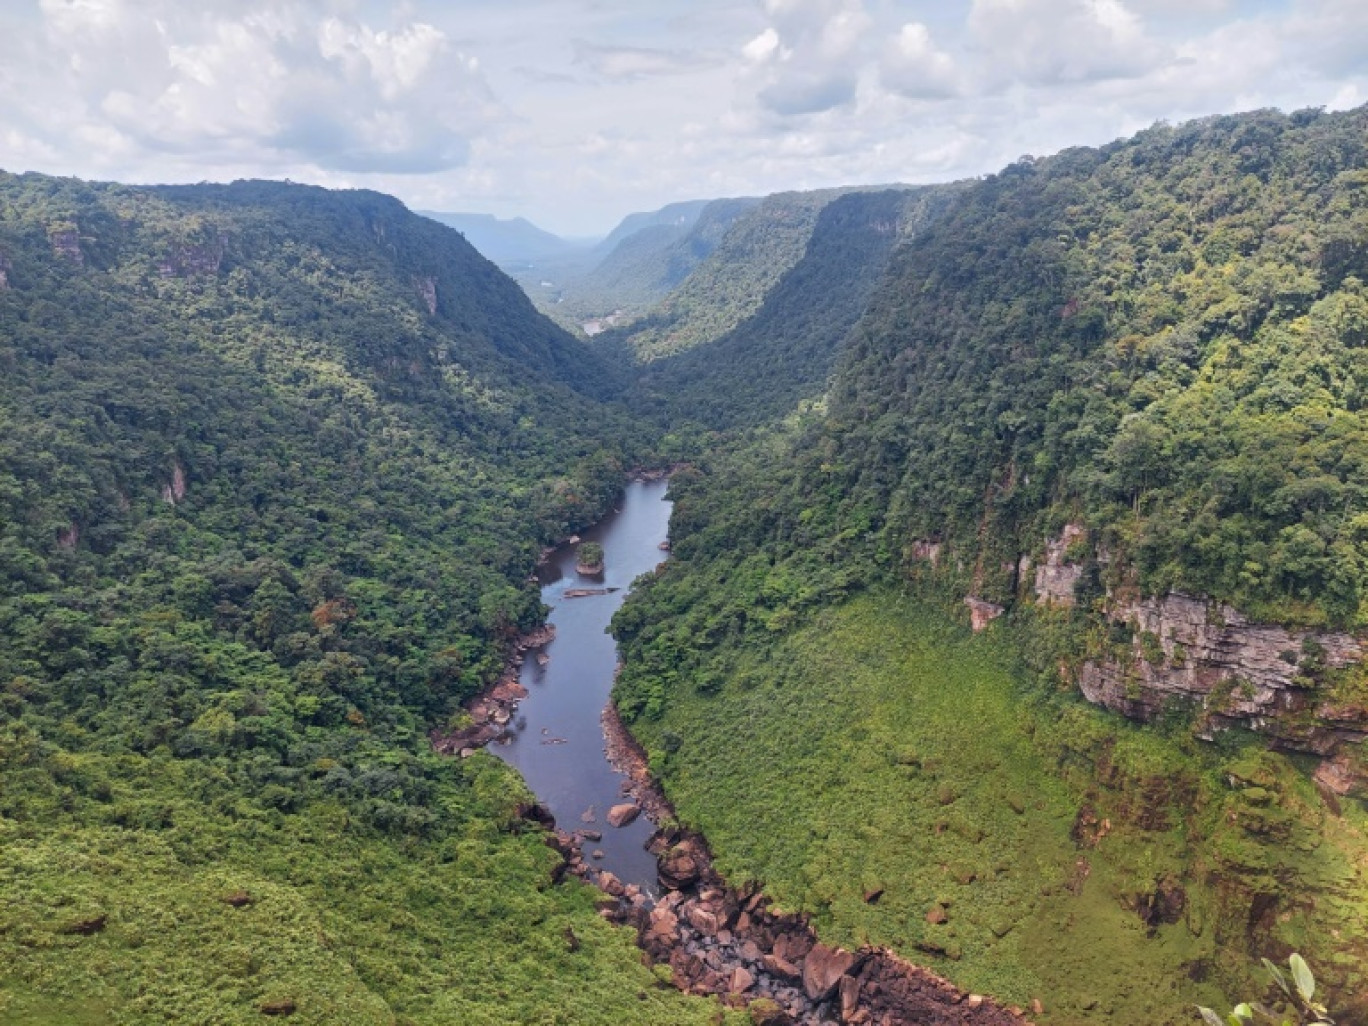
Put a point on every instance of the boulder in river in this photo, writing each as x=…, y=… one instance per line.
x=621, y=815
x=678, y=868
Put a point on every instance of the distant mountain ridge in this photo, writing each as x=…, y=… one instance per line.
x=677, y=216
x=507, y=240
x=634, y=267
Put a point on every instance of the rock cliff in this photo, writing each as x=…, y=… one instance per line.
x=1204, y=656
x=1056, y=578
x=1256, y=675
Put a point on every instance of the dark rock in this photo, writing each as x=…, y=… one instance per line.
x=238, y=899
x=782, y=968
x=86, y=927
x=823, y=968
x=850, y=997
x=536, y=812
x=1164, y=904
x=705, y=922
x=281, y=1006
x=678, y=869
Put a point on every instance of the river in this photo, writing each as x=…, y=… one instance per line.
x=556, y=740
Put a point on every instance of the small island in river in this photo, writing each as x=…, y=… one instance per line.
x=589, y=560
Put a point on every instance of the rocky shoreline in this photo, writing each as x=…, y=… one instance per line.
x=492, y=711
x=717, y=939
x=725, y=941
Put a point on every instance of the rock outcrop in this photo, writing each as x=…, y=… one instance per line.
x=191, y=259
x=1238, y=672
x=981, y=613
x=174, y=490
x=1056, y=578
x=928, y=550
x=427, y=291
x=66, y=244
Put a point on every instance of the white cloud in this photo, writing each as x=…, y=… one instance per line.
x=763, y=47
x=1051, y=42
x=270, y=84
x=574, y=112
x=810, y=56
x=914, y=67
x=635, y=62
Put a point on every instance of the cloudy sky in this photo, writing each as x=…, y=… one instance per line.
x=575, y=112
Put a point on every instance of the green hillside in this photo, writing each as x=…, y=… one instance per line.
x=1160, y=341
x=1164, y=335
x=783, y=353
x=732, y=283
x=645, y=264
x=275, y=464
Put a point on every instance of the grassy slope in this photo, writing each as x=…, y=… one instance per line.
x=351, y=926
x=880, y=746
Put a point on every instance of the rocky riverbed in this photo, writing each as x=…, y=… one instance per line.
x=719, y=940
x=490, y=713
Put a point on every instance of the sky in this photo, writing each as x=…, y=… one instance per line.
x=574, y=113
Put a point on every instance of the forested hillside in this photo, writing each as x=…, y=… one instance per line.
x=1155, y=345
x=1164, y=335
x=275, y=464
x=783, y=353
x=731, y=284
x=645, y=263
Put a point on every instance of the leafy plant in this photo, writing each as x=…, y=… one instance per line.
x=1301, y=1007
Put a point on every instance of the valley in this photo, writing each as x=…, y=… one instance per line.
x=1004, y=661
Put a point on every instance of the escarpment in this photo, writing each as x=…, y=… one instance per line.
x=1241, y=673
x=1188, y=654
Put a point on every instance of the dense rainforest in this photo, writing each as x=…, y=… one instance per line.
x=1138, y=367
x=276, y=464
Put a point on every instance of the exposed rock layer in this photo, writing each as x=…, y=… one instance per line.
x=1241, y=673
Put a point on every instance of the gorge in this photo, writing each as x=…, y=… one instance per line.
x=1012, y=625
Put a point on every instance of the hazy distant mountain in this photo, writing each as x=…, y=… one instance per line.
x=661, y=252
x=633, y=268
x=679, y=217
x=507, y=241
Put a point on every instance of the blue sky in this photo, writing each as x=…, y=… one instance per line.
x=576, y=112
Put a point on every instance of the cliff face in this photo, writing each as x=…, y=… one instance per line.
x=1196, y=653
x=1242, y=673
x=1056, y=579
